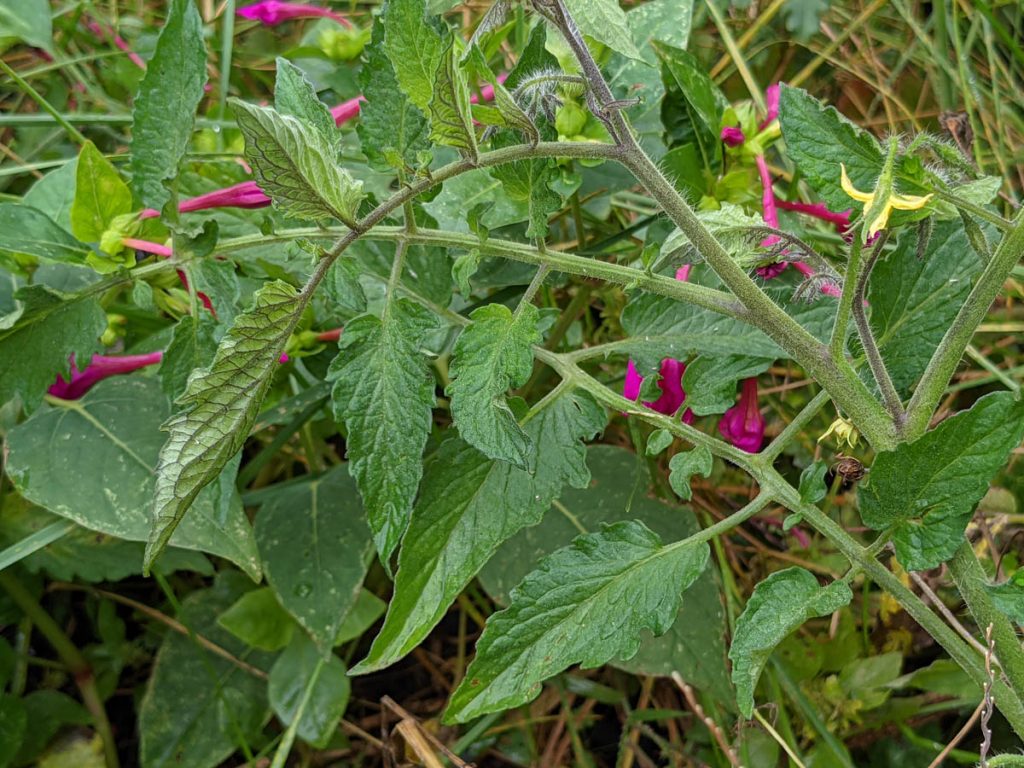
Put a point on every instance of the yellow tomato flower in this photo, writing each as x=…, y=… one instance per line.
x=844, y=431
x=881, y=202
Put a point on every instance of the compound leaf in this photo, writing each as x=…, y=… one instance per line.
x=414, y=47
x=468, y=505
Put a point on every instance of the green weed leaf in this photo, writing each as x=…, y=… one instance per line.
x=684, y=465
x=38, y=339
x=390, y=124
x=289, y=678
x=165, y=105
x=315, y=548
x=100, y=195
x=24, y=229
x=295, y=96
x=819, y=139
x=92, y=461
x=450, y=121
x=605, y=21
x=467, y=506
x=415, y=47
x=258, y=620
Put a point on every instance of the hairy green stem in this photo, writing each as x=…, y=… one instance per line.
x=848, y=391
x=947, y=356
x=841, y=327
x=560, y=261
x=970, y=580
x=867, y=338
x=794, y=427
x=72, y=658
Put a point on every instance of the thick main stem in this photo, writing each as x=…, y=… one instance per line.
x=951, y=349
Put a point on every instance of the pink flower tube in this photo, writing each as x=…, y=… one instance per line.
x=743, y=425
x=243, y=195
x=273, y=12
x=100, y=367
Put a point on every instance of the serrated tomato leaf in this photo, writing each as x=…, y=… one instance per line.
x=467, y=506
x=779, y=605
x=585, y=604
x=926, y=491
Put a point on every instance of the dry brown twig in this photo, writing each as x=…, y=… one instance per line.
x=711, y=725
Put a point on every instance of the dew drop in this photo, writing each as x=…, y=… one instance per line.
x=303, y=589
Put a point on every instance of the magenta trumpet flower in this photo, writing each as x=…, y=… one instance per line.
x=243, y=195
x=100, y=367
x=273, y=12
x=743, y=425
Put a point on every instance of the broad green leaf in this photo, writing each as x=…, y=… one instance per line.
x=384, y=393
x=450, y=121
x=667, y=21
x=684, y=465
x=695, y=644
x=363, y=615
x=414, y=46
x=585, y=604
x=819, y=139
x=83, y=554
x=296, y=166
x=696, y=86
x=710, y=381
x=779, y=605
x=465, y=192
x=185, y=720
x=604, y=21
x=165, y=106
x=389, y=122
x=926, y=491
x=38, y=339
x=92, y=461
x=258, y=620
x=315, y=549
x=289, y=678
x=220, y=405
x=26, y=230
x=913, y=301
x=660, y=327
x=1008, y=597
x=13, y=726
x=55, y=192
x=491, y=356
x=467, y=506
x=100, y=195
x=296, y=97
x=192, y=346
x=27, y=21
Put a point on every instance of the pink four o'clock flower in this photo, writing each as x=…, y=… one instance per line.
x=272, y=12
x=743, y=425
x=100, y=367
x=243, y=195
